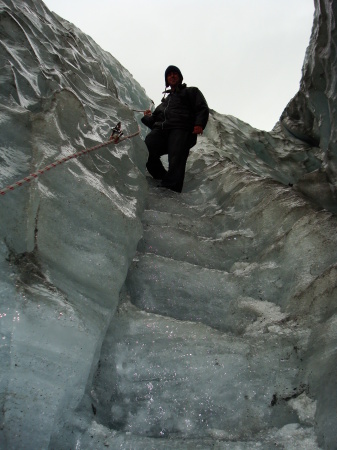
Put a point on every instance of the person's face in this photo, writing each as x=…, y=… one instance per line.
x=173, y=79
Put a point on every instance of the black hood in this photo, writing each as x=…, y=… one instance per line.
x=173, y=69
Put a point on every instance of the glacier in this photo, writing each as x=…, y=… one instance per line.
x=132, y=317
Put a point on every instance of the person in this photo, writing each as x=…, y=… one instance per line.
x=175, y=125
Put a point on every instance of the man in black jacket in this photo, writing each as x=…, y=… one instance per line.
x=174, y=124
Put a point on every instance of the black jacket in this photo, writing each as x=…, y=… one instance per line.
x=184, y=108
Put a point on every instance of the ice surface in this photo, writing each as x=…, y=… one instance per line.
x=67, y=238
x=311, y=114
x=137, y=318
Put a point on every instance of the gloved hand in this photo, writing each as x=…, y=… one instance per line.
x=197, y=130
x=148, y=112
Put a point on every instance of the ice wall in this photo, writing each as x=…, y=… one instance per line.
x=136, y=318
x=68, y=237
x=311, y=114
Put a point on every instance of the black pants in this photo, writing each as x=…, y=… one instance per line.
x=176, y=144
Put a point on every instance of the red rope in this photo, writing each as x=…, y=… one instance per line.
x=67, y=158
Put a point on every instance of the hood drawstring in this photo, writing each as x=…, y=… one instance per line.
x=181, y=86
x=165, y=92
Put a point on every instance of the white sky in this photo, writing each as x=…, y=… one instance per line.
x=245, y=56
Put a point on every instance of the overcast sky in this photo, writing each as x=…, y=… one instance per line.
x=245, y=56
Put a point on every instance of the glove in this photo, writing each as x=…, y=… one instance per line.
x=197, y=130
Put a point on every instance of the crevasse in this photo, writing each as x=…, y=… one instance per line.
x=133, y=317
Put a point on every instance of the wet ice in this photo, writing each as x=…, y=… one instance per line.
x=133, y=317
